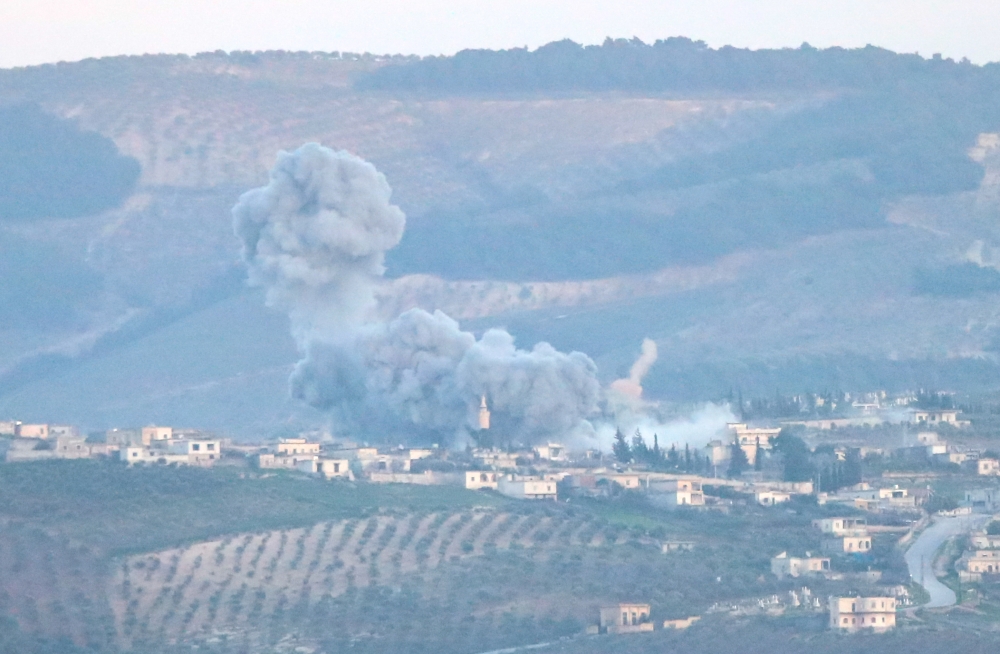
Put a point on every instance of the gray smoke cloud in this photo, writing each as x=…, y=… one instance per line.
x=315, y=238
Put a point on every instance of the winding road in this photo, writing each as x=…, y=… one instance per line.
x=920, y=557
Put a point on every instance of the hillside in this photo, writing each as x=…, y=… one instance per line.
x=794, y=219
x=228, y=560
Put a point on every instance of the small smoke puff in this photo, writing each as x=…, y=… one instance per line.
x=633, y=385
x=315, y=237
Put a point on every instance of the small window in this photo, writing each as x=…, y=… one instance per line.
x=195, y=446
x=210, y=446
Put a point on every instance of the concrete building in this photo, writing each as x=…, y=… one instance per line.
x=717, y=453
x=296, y=446
x=677, y=546
x=119, y=438
x=752, y=439
x=551, y=452
x=983, y=541
x=9, y=427
x=859, y=544
x=771, y=497
x=988, y=467
x=153, y=434
x=269, y=461
x=66, y=431
x=791, y=566
x=33, y=431
x=479, y=479
x=981, y=562
x=627, y=480
x=625, y=618
x=859, y=613
x=841, y=526
x=137, y=454
x=680, y=492
x=493, y=458
x=531, y=488
x=939, y=417
x=202, y=451
x=72, y=447
x=328, y=468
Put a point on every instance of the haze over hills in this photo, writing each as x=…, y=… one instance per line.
x=794, y=219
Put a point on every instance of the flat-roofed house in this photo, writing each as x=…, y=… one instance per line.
x=860, y=544
x=859, y=613
x=202, y=451
x=295, y=446
x=531, y=488
x=681, y=492
x=792, y=566
x=841, y=526
x=33, y=431
x=72, y=447
x=988, y=467
x=152, y=434
x=625, y=618
x=480, y=479
x=771, y=497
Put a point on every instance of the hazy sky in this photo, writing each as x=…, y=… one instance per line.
x=38, y=31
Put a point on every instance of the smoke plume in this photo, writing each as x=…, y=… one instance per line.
x=633, y=385
x=315, y=239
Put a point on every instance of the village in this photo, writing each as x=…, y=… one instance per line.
x=747, y=464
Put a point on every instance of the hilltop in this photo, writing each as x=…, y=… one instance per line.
x=796, y=219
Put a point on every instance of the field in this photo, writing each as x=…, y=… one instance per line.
x=166, y=559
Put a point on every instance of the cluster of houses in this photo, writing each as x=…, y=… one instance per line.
x=981, y=560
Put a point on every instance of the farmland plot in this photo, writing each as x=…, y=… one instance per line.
x=230, y=585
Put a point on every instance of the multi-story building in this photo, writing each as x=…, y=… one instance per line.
x=841, y=526
x=752, y=439
x=682, y=492
x=153, y=434
x=858, y=613
x=202, y=451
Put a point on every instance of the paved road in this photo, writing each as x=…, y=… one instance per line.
x=920, y=556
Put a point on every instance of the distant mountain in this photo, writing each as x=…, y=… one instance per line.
x=795, y=219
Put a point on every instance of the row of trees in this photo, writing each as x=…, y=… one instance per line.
x=798, y=463
x=637, y=451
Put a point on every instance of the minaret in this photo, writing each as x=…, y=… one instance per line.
x=484, y=414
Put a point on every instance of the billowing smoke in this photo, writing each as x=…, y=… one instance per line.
x=315, y=238
x=633, y=385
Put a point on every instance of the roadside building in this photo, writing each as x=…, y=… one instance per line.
x=982, y=540
x=9, y=427
x=479, y=479
x=981, y=562
x=627, y=480
x=677, y=546
x=269, y=461
x=859, y=613
x=138, y=454
x=625, y=618
x=792, y=566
